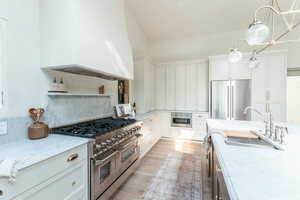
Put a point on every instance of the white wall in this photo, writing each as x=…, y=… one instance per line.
x=140, y=47
x=137, y=37
x=26, y=84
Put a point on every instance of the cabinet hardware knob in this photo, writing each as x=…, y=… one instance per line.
x=73, y=183
x=73, y=157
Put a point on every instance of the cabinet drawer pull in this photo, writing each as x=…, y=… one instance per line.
x=73, y=157
x=1, y=193
x=73, y=183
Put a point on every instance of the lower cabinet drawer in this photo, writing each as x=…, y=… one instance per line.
x=69, y=185
x=35, y=175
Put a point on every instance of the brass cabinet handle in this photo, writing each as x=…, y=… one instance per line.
x=73, y=157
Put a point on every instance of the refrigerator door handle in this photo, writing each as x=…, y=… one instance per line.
x=228, y=102
x=232, y=103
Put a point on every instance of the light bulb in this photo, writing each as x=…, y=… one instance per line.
x=253, y=63
x=235, y=56
x=257, y=33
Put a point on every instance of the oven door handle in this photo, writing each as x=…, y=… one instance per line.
x=101, y=162
x=126, y=146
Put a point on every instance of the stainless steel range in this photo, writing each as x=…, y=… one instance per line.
x=114, y=151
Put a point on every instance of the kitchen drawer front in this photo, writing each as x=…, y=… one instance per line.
x=199, y=121
x=34, y=175
x=68, y=185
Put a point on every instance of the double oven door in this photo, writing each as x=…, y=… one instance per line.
x=105, y=169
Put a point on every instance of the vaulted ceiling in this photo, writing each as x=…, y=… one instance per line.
x=170, y=19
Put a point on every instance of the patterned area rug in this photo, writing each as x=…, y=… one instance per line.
x=172, y=170
x=178, y=178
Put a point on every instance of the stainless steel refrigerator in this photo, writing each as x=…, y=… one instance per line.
x=230, y=98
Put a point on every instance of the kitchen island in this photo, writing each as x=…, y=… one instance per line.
x=256, y=173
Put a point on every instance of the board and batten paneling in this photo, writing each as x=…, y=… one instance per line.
x=269, y=84
x=186, y=86
x=170, y=88
x=160, y=87
x=181, y=87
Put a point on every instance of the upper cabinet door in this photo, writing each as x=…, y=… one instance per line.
x=160, y=87
x=90, y=34
x=240, y=70
x=181, y=87
x=222, y=69
x=170, y=87
x=192, y=94
x=218, y=68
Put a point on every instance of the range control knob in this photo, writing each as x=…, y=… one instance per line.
x=103, y=144
x=109, y=141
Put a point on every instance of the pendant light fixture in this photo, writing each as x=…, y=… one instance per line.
x=253, y=61
x=257, y=33
x=235, y=56
x=263, y=33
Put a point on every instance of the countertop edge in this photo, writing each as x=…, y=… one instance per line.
x=43, y=154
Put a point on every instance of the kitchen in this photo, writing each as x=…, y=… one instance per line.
x=136, y=99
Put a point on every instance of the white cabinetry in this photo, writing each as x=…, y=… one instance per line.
x=144, y=86
x=221, y=69
x=90, y=34
x=151, y=132
x=64, y=177
x=269, y=84
x=160, y=87
x=199, y=125
x=170, y=88
x=183, y=87
x=197, y=132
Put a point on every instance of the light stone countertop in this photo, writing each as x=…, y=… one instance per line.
x=29, y=152
x=258, y=173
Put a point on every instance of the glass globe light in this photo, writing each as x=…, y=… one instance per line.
x=235, y=56
x=253, y=63
x=257, y=33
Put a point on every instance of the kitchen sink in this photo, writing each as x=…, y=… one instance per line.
x=247, y=142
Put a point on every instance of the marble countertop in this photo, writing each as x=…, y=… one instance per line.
x=257, y=173
x=29, y=152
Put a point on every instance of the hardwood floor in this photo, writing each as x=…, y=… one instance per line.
x=172, y=170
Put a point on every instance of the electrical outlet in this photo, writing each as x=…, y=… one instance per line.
x=3, y=127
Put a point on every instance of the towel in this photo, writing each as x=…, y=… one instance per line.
x=8, y=169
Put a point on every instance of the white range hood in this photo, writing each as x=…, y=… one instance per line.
x=86, y=37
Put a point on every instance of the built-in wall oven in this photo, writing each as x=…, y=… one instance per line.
x=180, y=119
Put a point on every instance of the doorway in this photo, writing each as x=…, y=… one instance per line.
x=293, y=96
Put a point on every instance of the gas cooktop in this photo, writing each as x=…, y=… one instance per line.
x=92, y=129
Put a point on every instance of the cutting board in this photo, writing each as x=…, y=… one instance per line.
x=240, y=134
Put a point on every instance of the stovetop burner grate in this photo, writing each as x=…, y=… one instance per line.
x=94, y=128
